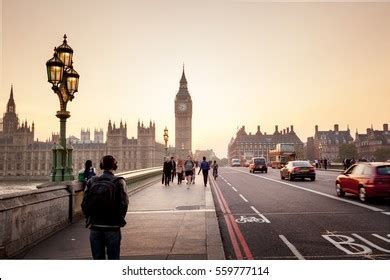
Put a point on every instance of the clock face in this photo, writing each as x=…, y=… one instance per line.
x=182, y=107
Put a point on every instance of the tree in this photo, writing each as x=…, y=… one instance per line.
x=223, y=162
x=382, y=154
x=347, y=151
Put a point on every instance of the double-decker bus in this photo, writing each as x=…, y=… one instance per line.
x=281, y=155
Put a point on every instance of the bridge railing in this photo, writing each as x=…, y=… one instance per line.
x=28, y=217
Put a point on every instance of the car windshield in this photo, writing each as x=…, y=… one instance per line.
x=383, y=170
x=259, y=160
x=301, y=164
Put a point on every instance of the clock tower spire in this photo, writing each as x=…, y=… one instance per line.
x=183, y=120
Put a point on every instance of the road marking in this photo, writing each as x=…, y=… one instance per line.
x=246, y=200
x=244, y=220
x=234, y=189
x=386, y=213
x=228, y=184
x=233, y=228
x=319, y=193
x=291, y=247
x=261, y=215
x=370, y=243
x=170, y=211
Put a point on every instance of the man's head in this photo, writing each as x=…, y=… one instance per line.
x=88, y=164
x=108, y=162
x=204, y=158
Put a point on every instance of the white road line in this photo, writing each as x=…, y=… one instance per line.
x=234, y=189
x=170, y=211
x=291, y=247
x=386, y=213
x=319, y=193
x=228, y=184
x=261, y=215
x=246, y=200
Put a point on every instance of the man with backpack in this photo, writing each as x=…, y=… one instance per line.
x=205, y=167
x=105, y=205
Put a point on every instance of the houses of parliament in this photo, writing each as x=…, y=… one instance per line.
x=21, y=155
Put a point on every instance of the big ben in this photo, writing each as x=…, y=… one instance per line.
x=183, y=120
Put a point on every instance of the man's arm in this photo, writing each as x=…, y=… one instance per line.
x=86, y=197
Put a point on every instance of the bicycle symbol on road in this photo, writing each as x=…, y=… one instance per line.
x=244, y=220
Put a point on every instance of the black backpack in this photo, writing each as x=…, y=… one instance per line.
x=101, y=199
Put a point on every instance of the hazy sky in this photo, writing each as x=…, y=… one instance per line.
x=247, y=63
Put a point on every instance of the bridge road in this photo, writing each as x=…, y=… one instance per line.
x=264, y=217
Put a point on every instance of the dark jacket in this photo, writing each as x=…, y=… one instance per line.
x=89, y=173
x=167, y=169
x=115, y=220
x=204, y=166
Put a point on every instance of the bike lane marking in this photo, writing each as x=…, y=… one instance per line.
x=243, y=198
x=252, y=207
x=261, y=215
x=319, y=193
x=292, y=248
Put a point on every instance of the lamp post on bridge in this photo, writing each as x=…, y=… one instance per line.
x=166, y=140
x=65, y=81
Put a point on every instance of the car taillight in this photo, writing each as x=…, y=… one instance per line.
x=311, y=169
x=295, y=169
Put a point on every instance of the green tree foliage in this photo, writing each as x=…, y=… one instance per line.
x=382, y=154
x=347, y=151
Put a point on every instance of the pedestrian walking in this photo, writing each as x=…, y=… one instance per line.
x=173, y=162
x=167, y=170
x=215, y=170
x=105, y=205
x=325, y=162
x=188, y=170
x=179, y=171
x=87, y=173
x=204, y=167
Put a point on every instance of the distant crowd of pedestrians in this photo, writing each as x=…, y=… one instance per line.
x=186, y=170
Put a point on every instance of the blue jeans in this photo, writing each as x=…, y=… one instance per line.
x=100, y=240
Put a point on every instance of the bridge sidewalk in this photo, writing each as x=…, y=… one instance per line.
x=162, y=223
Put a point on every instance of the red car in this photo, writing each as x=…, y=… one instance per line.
x=365, y=179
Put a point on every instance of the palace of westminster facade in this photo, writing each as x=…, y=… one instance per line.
x=21, y=155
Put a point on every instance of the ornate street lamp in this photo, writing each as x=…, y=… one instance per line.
x=65, y=81
x=166, y=140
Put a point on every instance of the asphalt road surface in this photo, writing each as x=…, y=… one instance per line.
x=264, y=217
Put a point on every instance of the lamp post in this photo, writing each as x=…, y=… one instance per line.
x=65, y=81
x=166, y=140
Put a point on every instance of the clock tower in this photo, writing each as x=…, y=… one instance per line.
x=183, y=120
